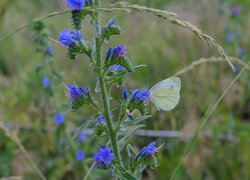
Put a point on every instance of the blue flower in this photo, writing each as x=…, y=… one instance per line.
x=68, y=37
x=59, y=118
x=46, y=82
x=119, y=51
x=109, y=52
x=236, y=68
x=75, y=92
x=138, y=95
x=82, y=136
x=49, y=50
x=100, y=119
x=111, y=22
x=115, y=68
x=125, y=93
x=80, y=155
x=235, y=11
x=148, y=150
x=104, y=156
x=76, y=4
x=241, y=52
x=230, y=37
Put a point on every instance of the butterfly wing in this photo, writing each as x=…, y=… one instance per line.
x=166, y=94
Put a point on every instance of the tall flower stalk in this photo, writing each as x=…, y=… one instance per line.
x=110, y=70
x=103, y=87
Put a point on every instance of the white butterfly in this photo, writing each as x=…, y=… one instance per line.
x=166, y=94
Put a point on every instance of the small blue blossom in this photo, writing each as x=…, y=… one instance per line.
x=236, y=68
x=49, y=50
x=230, y=37
x=115, y=68
x=100, y=119
x=109, y=52
x=46, y=82
x=80, y=155
x=76, y=4
x=148, y=150
x=119, y=51
x=235, y=11
x=111, y=22
x=104, y=156
x=102, y=146
x=138, y=95
x=59, y=118
x=125, y=93
x=75, y=92
x=241, y=52
x=82, y=136
x=68, y=37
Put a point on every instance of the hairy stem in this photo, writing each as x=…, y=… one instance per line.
x=103, y=88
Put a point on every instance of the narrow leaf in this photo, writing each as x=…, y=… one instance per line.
x=126, y=138
x=131, y=151
x=136, y=120
x=126, y=175
x=140, y=66
x=85, y=125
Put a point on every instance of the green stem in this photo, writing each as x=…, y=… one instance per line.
x=103, y=88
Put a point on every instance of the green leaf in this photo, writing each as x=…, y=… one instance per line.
x=131, y=151
x=85, y=125
x=126, y=175
x=135, y=121
x=140, y=66
x=125, y=139
x=97, y=87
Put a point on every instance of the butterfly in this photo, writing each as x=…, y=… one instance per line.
x=166, y=94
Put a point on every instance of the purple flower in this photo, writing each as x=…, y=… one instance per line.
x=230, y=37
x=46, y=82
x=68, y=37
x=59, y=118
x=119, y=51
x=241, y=52
x=76, y=4
x=49, y=50
x=75, y=92
x=82, y=136
x=104, y=156
x=125, y=93
x=111, y=22
x=100, y=119
x=80, y=155
x=138, y=95
x=235, y=11
x=115, y=68
x=148, y=150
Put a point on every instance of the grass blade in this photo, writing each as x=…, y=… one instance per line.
x=204, y=120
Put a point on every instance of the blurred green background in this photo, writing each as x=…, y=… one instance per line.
x=165, y=49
